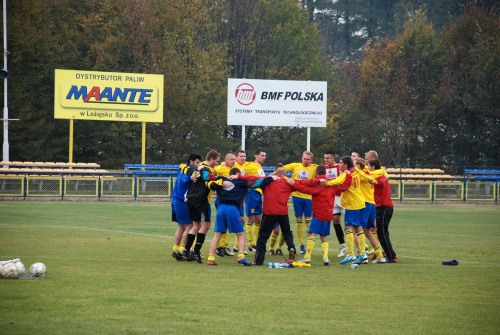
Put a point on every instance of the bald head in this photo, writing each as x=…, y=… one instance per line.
x=230, y=159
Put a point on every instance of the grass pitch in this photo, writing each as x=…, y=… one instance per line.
x=110, y=272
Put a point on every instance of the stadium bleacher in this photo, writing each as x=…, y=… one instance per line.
x=483, y=174
x=414, y=171
x=49, y=164
x=49, y=167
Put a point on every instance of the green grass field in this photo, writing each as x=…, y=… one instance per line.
x=110, y=271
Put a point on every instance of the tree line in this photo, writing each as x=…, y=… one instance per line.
x=417, y=81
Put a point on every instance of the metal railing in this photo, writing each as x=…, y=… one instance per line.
x=157, y=185
x=88, y=185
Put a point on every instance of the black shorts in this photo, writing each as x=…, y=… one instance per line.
x=199, y=214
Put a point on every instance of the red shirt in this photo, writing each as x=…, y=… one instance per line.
x=382, y=193
x=323, y=197
x=276, y=195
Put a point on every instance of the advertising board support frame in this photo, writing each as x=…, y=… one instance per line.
x=308, y=145
x=71, y=132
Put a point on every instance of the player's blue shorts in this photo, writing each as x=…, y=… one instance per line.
x=277, y=225
x=253, y=203
x=352, y=217
x=228, y=218
x=181, y=211
x=242, y=210
x=368, y=215
x=302, y=207
x=319, y=227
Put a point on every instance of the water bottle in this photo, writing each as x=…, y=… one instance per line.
x=278, y=265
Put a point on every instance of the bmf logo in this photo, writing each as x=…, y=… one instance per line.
x=245, y=94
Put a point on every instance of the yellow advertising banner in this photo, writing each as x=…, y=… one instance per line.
x=108, y=96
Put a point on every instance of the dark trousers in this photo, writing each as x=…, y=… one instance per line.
x=383, y=217
x=266, y=228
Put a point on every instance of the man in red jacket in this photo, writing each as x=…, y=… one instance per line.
x=384, y=209
x=323, y=201
x=275, y=209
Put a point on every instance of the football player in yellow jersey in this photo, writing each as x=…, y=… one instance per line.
x=368, y=213
x=355, y=155
x=223, y=171
x=370, y=155
x=241, y=157
x=353, y=202
x=253, y=200
x=302, y=203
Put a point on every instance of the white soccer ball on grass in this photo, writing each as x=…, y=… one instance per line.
x=38, y=270
x=10, y=271
x=21, y=269
x=2, y=264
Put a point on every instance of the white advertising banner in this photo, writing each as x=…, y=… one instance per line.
x=277, y=103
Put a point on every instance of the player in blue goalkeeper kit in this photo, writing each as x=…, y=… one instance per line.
x=180, y=212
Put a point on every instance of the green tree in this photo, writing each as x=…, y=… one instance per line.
x=470, y=94
x=393, y=104
x=272, y=40
x=196, y=74
x=121, y=36
x=41, y=38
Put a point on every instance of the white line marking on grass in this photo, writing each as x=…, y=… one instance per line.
x=460, y=261
x=74, y=258
x=447, y=234
x=90, y=228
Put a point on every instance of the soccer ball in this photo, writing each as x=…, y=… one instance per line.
x=2, y=264
x=21, y=269
x=10, y=271
x=38, y=270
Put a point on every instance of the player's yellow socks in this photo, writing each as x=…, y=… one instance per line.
x=194, y=242
x=222, y=241
x=227, y=239
x=378, y=252
x=274, y=238
x=300, y=232
x=361, y=241
x=249, y=231
x=311, y=241
x=182, y=247
x=281, y=243
x=211, y=257
x=256, y=227
x=176, y=248
x=241, y=255
x=308, y=223
x=376, y=236
x=349, y=241
x=324, y=247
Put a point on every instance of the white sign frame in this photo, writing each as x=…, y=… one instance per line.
x=276, y=103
